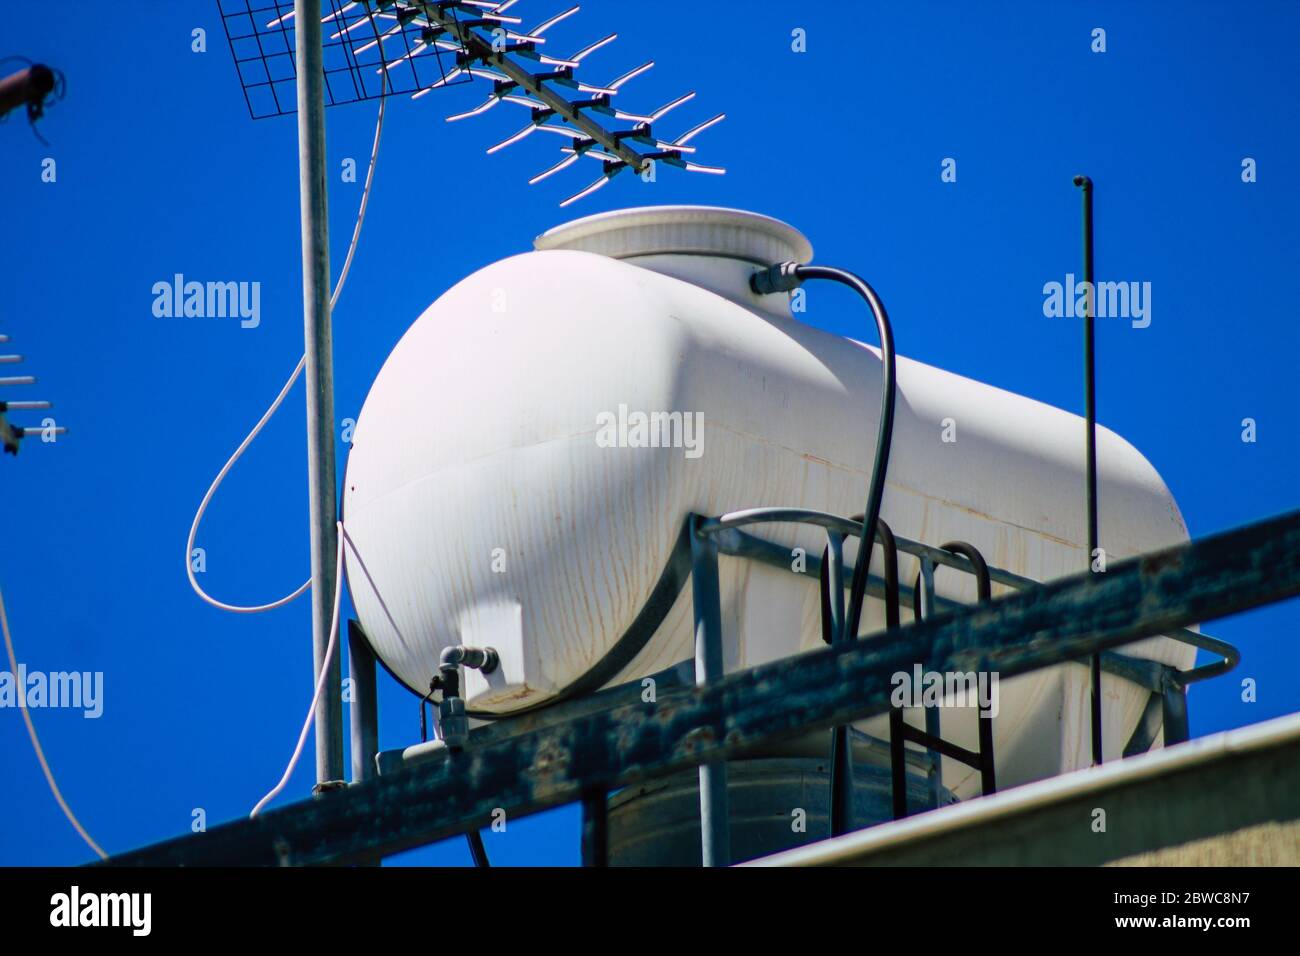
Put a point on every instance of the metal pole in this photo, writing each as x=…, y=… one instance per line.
x=841, y=747
x=318, y=340
x=477, y=850
x=364, y=710
x=933, y=725
x=1090, y=413
x=1175, y=713
x=595, y=828
x=715, y=834
x=897, y=762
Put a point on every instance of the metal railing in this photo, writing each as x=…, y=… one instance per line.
x=723, y=535
x=580, y=750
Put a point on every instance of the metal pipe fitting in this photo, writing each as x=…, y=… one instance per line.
x=453, y=722
x=782, y=277
x=483, y=659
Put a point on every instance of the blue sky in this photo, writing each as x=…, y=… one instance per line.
x=160, y=170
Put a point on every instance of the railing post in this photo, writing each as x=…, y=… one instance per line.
x=715, y=835
x=841, y=743
x=988, y=776
x=595, y=828
x=363, y=709
x=1175, y=713
x=898, y=762
x=933, y=725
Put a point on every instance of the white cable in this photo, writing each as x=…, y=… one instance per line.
x=189, y=550
x=36, y=741
x=320, y=681
x=216, y=482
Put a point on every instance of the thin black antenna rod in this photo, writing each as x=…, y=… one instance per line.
x=1090, y=413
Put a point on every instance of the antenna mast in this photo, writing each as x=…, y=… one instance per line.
x=319, y=343
x=484, y=42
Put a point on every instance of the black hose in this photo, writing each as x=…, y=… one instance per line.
x=884, y=434
x=888, y=542
x=783, y=278
x=890, y=545
x=841, y=750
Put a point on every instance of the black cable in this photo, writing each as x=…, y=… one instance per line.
x=783, y=278
x=884, y=434
x=434, y=686
x=476, y=848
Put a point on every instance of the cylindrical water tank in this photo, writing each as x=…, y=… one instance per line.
x=497, y=492
x=776, y=804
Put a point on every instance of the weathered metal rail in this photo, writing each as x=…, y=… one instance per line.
x=1225, y=800
x=1067, y=619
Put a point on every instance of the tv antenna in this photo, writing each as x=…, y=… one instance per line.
x=375, y=48
x=291, y=59
x=11, y=435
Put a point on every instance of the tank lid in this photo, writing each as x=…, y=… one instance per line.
x=681, y=230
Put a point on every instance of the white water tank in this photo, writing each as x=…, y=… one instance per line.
x=482, y=505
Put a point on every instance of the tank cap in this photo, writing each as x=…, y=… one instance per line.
x=681, y=230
